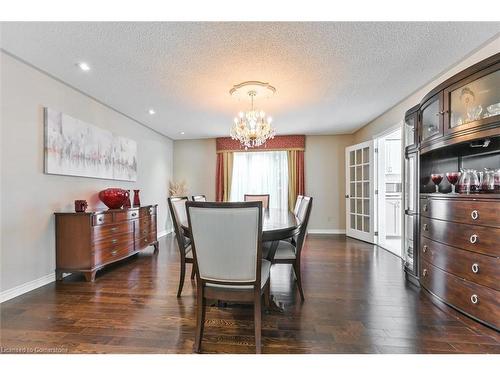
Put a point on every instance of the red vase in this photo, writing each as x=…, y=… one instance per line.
x=113, y=198
x=127, y=203
x=137, y=199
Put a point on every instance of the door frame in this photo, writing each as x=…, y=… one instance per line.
x=354, y=233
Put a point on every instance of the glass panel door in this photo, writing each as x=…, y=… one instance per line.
x=474, y=101
x=410, y=130
x=432, y=118
x=359, y=191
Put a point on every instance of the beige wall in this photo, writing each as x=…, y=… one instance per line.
x=396, y=113
x=195, y=163
x=325, y=180
x=29, y=197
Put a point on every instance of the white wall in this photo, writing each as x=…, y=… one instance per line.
x=29, y=197
x=195, y=162
x=396, y=113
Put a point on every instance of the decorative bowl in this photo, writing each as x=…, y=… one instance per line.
x=114, y=197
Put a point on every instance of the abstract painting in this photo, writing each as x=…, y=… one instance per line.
x=76, y=148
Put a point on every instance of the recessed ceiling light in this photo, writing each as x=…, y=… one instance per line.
x=84, y=66
x=151, y=111
x=182, y=133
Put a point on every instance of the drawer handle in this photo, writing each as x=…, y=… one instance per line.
x=145, y=240
x=114, y=229
x=144, y=231
x=425, y=248
x=474, y=215
x=475, y=268
x=425, y=207
x=424, y=272
x=473, y=238
x=426, y=227
x=151, y=211
x=114, y=252
x=134, y=214
x=474, y=299
x=114, y=240
x=99, y=220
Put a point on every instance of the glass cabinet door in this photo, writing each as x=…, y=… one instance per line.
x=410, y=130
x=474, y=101
x=432, y=118
x=410, y=183
x=409, y=244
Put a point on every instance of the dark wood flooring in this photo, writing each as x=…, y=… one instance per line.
x=357, y=301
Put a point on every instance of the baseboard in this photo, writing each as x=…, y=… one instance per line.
x=326, y=231
x=163, y=233
x=27, y=287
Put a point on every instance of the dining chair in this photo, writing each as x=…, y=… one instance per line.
x=289, y=252
x=227, y=248
x=297, y=204
x=264, y=198
x=199, y=198
x=177, y=206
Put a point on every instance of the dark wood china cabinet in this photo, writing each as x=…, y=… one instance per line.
x=452, y=240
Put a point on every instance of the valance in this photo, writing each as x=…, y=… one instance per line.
x=281, y=142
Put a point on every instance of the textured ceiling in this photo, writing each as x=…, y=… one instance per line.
x=331, y=77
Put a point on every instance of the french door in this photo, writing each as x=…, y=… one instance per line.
x=360, y=191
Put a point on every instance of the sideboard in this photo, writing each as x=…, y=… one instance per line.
x=88, y=241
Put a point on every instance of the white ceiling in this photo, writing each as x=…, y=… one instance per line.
x=331, y=77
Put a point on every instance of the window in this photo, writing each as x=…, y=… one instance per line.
x=261, y=173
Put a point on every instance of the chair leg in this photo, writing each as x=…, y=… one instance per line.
x=258, y=321
x=200, y=317
x=193, y=272
x=181, y=278
x=296, y=269
x=267, y=294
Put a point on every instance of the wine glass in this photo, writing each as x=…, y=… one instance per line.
x=452, y=178
x=437, y=178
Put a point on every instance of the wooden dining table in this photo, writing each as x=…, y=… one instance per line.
x=277, y=225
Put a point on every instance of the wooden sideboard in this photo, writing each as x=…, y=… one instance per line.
x=460, y=252
x=88, y=241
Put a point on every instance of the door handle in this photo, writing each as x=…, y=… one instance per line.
x=347, y=195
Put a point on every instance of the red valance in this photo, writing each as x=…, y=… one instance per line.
x=281, y=142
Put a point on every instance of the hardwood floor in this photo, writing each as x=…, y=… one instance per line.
x=357, y=301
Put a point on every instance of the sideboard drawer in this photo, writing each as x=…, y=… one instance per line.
x=113, y=241
x=100, y=219
x=101, y=231
x=126, y=215
x=469, y=211
x=475, y=238
x=107, y=255
x=478, y=301
x=147, y=240
x=479, y=268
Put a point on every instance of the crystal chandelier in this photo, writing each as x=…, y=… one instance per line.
x=252, y=128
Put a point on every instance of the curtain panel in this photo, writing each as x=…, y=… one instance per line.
x=223, y=176
x=293, y=144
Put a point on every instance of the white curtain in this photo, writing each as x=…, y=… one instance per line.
x=261, y=173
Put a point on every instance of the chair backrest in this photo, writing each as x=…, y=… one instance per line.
x=264, y=198
x=177, y=206
x=304, y=214
x=226, y=239
x=297, y=205
x=199, y=198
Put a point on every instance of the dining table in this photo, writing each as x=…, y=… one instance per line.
x=277, y=225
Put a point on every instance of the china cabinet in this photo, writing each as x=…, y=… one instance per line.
x=451, y=239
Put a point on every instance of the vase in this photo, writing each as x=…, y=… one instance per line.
x=127, y=203
x=137, y=199
x=113, y=198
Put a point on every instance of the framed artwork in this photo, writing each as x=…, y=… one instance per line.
x=76, y=148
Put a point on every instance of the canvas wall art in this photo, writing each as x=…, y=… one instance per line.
x=76, y=148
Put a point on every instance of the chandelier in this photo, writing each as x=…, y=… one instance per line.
x=252, y=128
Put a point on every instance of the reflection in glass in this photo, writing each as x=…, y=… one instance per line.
x=430, y=120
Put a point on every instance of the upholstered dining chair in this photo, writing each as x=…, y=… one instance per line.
x=177, y=206
x=199, y=198
x=297, y=204
x=264, y=198
x=227, y=248
x=290, y=252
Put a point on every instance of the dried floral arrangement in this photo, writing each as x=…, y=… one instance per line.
x=177, y=188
